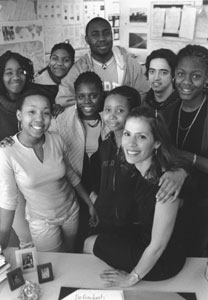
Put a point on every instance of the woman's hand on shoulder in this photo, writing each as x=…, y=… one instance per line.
x=118, y=278
x=170, y=185
x=7, y=141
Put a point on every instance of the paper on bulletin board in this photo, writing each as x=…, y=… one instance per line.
x=72, y=12
x=17, y=32
x=188, y=22
x=50, y=12
x=14, y=10
x=172, y=20
x=93, y=9
x=158, y=21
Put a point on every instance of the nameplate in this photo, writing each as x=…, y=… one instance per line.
x=85, y=294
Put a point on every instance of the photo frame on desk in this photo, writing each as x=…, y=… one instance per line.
x=15, y=278
x=26, y=259
x=45, y=273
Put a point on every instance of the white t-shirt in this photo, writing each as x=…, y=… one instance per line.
x=45, y=185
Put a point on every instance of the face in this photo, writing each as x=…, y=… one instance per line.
x=14, y=78
x=35, y=116
x=190, y=78
x=159, y=75
x=60, y=63
x=100, y=40
x=89, y=99
x=138, y=142
x=115, y=112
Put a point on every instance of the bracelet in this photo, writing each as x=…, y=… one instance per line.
x=136, y=275
x=194, y=159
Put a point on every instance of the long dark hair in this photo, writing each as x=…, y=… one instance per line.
x=166, y=157
x=25, y=63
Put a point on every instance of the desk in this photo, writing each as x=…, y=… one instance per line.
x=82, y=270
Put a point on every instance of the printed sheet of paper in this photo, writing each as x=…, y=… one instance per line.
x=172, y=20
x=96, y=294
x=188, y=22
x=157, y=22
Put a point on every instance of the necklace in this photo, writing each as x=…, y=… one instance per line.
x=93, y=123
x=105, y=65
x=188, y=128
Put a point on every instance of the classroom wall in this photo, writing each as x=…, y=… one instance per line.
x=32, y=27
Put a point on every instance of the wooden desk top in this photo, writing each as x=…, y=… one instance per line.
x=82, y=270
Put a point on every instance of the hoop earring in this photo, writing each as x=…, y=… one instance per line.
x=19, y=126
x=155, y=151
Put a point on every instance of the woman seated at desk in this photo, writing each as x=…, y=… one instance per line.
x=149, y=244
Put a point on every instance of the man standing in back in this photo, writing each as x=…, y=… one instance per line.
x=113, y=64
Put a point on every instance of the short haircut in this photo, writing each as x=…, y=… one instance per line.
x=164, y=53
x=132, y=95
x=88, y=78
x=94, y=20
x=66, y=46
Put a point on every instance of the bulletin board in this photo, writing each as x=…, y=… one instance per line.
x=172, y=20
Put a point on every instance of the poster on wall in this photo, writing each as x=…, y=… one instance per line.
x=93, y=9
x=138, y=15
x=138, y=40
x=17, y=32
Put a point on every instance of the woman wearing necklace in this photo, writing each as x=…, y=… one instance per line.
x=189, y=130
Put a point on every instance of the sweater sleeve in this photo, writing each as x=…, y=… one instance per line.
x=70, y=172
x=8, y=187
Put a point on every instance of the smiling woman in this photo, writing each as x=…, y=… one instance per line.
x=52, y=209
x=61, y=60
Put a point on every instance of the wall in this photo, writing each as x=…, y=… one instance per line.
x=32, y=27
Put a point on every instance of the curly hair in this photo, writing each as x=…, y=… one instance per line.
x=24, y=62
x=132, y=95
x=194, y=51
x=164, y=53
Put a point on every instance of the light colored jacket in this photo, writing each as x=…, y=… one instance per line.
x=129, y=73
x=70, y=127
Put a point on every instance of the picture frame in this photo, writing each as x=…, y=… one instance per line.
x=45, y=272
x=15, y=278
x=26, y=259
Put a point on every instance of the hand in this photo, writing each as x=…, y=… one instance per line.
x=170, y=185
x=57, y=109
x=94, y=220
x=118, y=278
x=7, y=141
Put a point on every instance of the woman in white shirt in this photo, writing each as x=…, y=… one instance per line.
x=38, y=165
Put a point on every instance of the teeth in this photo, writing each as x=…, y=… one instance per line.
x=37, y=127
x=132, y=152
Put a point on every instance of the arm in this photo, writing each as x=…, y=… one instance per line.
x=163, y=224
x=170, y=185
x=66, y=95
x=6, y=220
x=84, y=196
x=75, y=180
x=200, y=163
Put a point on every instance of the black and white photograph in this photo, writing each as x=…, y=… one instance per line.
x=45, y=272
x=26, y=259
x=15, y=278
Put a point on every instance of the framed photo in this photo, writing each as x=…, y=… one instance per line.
x=45, y=272
x=26, y=259
x=15, y=278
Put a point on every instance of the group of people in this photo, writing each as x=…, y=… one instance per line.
x=105, y=156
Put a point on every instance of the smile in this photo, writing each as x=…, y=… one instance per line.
x=132, y=153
